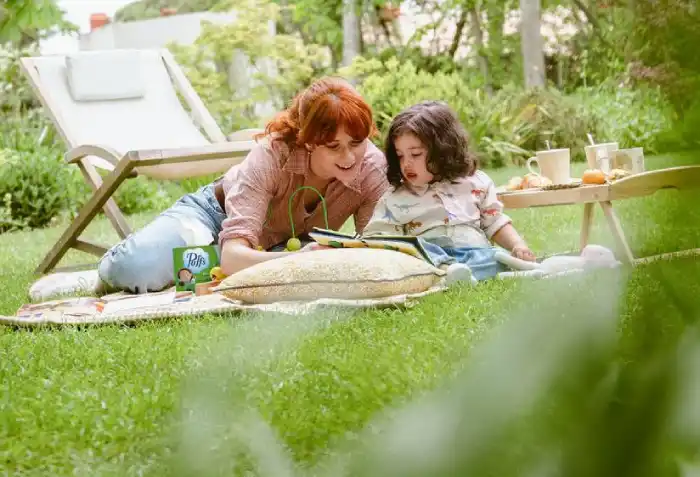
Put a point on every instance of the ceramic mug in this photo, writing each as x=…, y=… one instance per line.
x=554, y=164
x=631, y=159
x=606, y=148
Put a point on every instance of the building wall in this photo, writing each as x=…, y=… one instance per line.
x=151, y=33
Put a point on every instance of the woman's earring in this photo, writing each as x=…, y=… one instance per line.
x=309, y=150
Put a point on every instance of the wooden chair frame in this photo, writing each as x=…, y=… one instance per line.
x=125, y=165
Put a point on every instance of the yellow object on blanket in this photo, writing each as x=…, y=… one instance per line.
x=337, y=273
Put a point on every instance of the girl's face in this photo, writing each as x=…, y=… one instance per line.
x=339, y=159
x=413, y=156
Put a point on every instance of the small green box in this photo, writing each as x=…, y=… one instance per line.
x=193, y=264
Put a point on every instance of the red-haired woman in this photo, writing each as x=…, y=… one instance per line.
x=321, y=140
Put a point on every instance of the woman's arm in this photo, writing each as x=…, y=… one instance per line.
x=237, y=254
x=251, y=185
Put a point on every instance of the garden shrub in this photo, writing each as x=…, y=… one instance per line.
x=639, y=117
x=684, y=134
x=27, y=131
x=141, y=194
x=510, y=126
x=527, y=119
x=37, y=187
x=15, y=92
x=390, y=87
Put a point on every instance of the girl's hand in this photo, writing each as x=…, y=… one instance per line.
x=523, y=253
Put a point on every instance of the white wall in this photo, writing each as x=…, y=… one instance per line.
x=78, y=12
x=151, y=33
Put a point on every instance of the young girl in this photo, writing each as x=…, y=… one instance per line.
x=439, y=195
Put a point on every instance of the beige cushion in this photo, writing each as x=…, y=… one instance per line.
x=105, y=75
x=336, y=273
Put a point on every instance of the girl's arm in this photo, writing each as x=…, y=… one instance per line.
x=497, y=225
x=508, y=238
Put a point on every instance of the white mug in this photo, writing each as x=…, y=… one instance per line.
x=592, y=153
x=554, y=164
x=631, y=160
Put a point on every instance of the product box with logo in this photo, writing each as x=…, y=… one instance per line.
x=192, y=268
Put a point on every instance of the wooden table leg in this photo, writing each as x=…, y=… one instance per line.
x=616, y=229
x=586, y=224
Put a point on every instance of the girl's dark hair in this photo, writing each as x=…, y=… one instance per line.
x=441, y=132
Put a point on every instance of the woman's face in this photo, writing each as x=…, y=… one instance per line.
x=339, y=158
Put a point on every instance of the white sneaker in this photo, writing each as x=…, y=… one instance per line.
x=458, y=272
x=65, y=283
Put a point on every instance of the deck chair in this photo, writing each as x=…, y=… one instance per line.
x=120, y=111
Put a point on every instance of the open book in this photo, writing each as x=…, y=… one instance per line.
x=400, y=243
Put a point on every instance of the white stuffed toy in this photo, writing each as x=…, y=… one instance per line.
x=592, y=257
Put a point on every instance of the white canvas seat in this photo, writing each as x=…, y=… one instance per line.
x=119, y=111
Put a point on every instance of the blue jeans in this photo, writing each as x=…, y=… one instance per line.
x=481, y=260
x=143, y=261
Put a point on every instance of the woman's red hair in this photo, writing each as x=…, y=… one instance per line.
x=317, y=113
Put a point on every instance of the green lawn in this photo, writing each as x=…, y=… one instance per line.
x=173, y=396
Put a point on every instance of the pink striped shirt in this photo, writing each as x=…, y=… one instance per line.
x=258, y=191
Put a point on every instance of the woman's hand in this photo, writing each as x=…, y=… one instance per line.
x=523, y=253
x=237, y=254
x=310, y=247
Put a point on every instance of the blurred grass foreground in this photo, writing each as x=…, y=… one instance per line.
x=581, y=377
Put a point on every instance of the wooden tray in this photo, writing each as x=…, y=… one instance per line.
x=501, y=190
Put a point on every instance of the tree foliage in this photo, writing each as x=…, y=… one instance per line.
x=22, y=25
x=145, y=9
x=24, y=22
x=280, y=64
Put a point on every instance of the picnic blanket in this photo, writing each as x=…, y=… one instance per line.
x=130, y=309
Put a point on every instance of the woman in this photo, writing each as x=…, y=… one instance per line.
x=321, y=141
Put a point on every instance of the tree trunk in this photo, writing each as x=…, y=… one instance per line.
x=531, y=42
x=351, y=37
x=479, y=44
x=388, y=22
x=461, y=23
x=496, y=12
x=360, y=38
x=396, y=29
x=592, y=20
x=286, y=18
